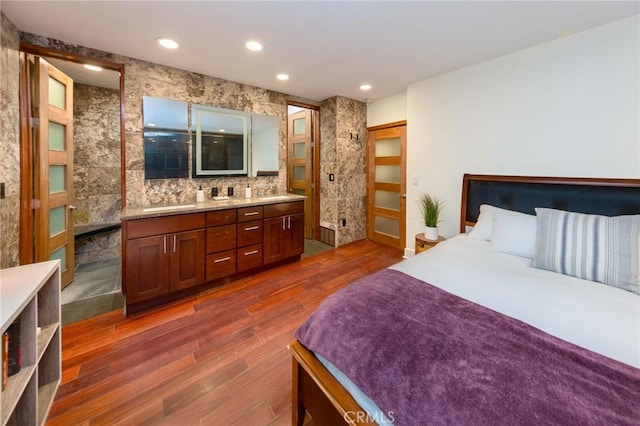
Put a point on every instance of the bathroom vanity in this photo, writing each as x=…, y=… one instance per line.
x=171, y=251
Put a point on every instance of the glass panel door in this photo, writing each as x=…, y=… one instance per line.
x=386, y=196
x=300, y=162
x=54, y=174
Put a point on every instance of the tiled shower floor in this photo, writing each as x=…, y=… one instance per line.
x=94, y=291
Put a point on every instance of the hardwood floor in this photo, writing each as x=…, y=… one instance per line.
x=217, y=358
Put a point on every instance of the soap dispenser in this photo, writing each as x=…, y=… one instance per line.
x=247, y=192
x=200, y=195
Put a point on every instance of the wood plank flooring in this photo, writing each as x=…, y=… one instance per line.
x=217, y=358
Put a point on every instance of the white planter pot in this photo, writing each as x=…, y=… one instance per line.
x=431, y=233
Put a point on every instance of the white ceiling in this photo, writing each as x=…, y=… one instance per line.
x=328, y=48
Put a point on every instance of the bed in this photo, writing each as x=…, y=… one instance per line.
x=470, y=333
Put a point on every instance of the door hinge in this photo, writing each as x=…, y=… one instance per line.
x=35, y=204
x=34, y=122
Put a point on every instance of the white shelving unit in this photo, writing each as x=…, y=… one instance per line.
x=32, y=294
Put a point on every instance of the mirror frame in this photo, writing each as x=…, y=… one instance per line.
x=226, y=115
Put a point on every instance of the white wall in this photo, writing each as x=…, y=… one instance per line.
x=564, y=108
x=387, y=110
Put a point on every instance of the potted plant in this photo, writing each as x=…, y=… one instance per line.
x=430, y=207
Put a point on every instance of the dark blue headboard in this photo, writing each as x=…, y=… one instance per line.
x=609, y=197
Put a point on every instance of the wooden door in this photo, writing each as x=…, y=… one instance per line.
x=386, y=184
x=147, y=268
x=53, y=171
x=187, y=259
x=300, y=163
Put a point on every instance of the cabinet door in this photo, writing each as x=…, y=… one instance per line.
x=294, y=235
x=187, y=259
x=147, y=268
x=273, y=243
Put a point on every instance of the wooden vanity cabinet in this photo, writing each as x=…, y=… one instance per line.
x=163, y=255
x=283, y=231
x=166, y=254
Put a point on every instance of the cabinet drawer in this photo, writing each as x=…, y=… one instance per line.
x=247, y=214
x=221, y=217
x=221, y=264
x=249, y=257
x=282, y=209
x=139, y=228
x=249, y=233
x=221, y=238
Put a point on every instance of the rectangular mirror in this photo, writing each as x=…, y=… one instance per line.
x=165, y=126
x=225, y=142
x=221, y=141
x=264, y=145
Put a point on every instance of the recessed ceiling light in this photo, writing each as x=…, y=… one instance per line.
x=151, y=124
x=167, y=42
x=282, y=77
x=222, y=130
x=365, y=87
x=254, y=46
x=92, y=67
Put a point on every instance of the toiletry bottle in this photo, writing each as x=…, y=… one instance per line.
x=247, y=192
x=200, y=195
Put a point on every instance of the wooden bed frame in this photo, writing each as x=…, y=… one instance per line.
x=318, y=393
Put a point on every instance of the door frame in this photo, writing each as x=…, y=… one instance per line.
x=27, y=214
x=315, y=153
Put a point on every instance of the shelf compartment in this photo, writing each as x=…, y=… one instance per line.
x=49, y=375
x=44, y=337
x=18, y=383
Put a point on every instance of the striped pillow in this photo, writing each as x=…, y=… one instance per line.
x=592, y=247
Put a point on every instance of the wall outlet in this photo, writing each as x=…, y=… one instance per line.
x=331, y=177
x=2, y=191
x=343, y=222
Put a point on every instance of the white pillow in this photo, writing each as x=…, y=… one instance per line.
x=514, y=234
x=483, y=229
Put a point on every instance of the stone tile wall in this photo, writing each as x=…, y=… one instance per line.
x=9, y=142
x=342, y=121
x=96, y=174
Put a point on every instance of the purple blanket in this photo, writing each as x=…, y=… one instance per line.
x=430, y=357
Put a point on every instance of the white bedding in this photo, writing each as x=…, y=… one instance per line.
x=595, y=316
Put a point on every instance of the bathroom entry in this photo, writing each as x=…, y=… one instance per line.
x=302, y=162
x=53, y=188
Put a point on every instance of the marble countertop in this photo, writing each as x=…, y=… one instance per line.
x=129, y=213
